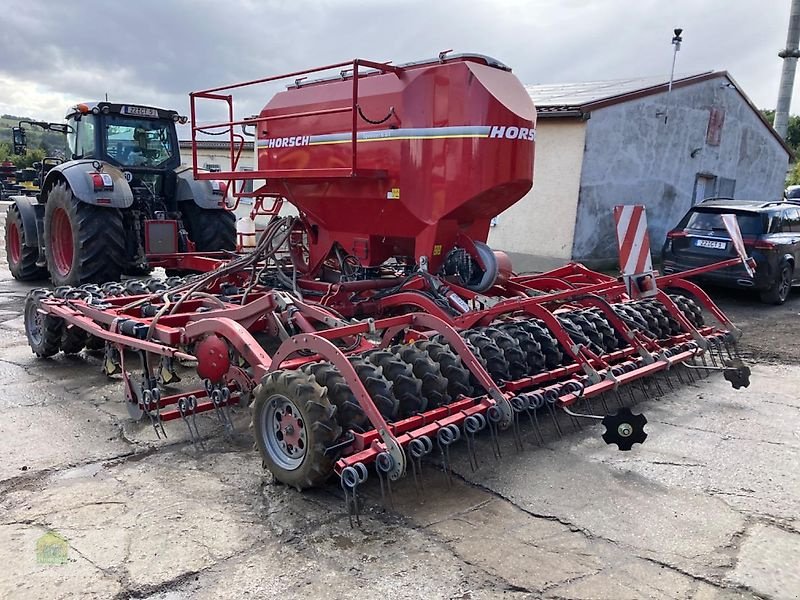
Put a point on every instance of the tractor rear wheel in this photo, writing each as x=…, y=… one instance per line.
x=83, y=243
x=21, y=258
x=211, y=229
x=294, y=424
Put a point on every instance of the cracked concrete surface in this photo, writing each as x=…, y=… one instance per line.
x=707, y=508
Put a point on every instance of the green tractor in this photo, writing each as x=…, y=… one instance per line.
x=121, y=201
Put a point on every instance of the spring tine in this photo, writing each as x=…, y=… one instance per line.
x=384, y=463
x=552, y=412
x=495, y=443
x=444, y=437
x=350, y=479
x=418, y=448
x=192, y=406
x=604, y=403
x=618, y=396
x=182, y=409
x=518, y=404
x=473, y=424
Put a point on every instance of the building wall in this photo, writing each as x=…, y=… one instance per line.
x=215, y=156
x=633, y=156
x=542, y=223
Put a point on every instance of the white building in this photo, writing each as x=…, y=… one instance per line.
x=631, y=141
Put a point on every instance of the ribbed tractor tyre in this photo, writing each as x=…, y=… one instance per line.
x=73, y=339
x=94, y=343
x=630, y=317
x=658, y=312
x=689, y=308
x=553, y=355
x=433, y=385
x=378, y=387
x=405, y=387
x=21, y=258
x=512, y=352
x=530, y=347
x=588, y=330
x=489, y=354
x=607, y=334
x=653, y=326
x=211, y=229
x=43, y=331
x=83, y=243
x=289, y=398
x=451, y=367
x=349, y=413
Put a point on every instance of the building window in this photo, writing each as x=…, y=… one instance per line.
x=707, y=185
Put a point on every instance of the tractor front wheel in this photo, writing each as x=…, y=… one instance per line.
x=83, y=243
x=211, y=229
x=21, y=258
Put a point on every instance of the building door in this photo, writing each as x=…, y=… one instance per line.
x=705, y=186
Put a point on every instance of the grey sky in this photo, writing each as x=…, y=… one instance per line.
x=54, y=53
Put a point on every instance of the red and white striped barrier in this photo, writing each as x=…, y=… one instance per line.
x=634, y=250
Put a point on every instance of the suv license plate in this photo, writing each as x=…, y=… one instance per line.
x=715, y=245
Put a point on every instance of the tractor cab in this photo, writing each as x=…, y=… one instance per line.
x=138, y=139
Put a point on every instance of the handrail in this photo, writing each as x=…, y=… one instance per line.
x=235, y=153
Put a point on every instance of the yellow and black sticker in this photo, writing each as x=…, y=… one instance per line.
x=437, y=250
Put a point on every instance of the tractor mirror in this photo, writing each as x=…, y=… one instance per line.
x=20, y=144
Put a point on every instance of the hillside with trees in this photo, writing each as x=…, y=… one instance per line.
x=40, y=143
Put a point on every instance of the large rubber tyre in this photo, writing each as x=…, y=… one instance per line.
x=349, y=413
x=296, y=397
x=779, y=291
x=83, y=243
x=21, y=258
x=434, y=384
x=43, y=331
x=451, y=367
x=210, y=229
x=405, y=387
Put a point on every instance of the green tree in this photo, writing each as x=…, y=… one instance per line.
x=792, y=132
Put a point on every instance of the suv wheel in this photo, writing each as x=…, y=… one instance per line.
x=779, y=291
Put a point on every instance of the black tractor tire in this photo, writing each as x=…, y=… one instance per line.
x=349, y=413
x=316, y=417
x=609, y=338
x=405, y=387
x=451, y=367
x=489, y=354
x=434, y=384
x=690, y=309
x=378, y=387
x=779, y=290
x=43, y=331
x=73, y=339
x=553, y=356
x=21, y=258
x=211, y=229
x=83, y=243
x=513, y=353
x=533, y=350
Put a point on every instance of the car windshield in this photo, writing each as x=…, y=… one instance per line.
x=138, y=142
x=749, y=224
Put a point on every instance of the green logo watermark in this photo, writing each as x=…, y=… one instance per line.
x=52, y=549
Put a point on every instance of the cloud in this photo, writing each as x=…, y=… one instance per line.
x=155, y=52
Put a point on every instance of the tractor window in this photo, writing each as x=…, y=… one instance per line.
x=84, y=138
x=139, y=142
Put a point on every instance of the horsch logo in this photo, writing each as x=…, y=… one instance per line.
x=512, y=133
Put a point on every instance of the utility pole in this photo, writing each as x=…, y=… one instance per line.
x=676, y=43
x=789, y=56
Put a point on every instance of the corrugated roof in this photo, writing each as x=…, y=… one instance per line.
x=576, y=94
x=556, y=100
